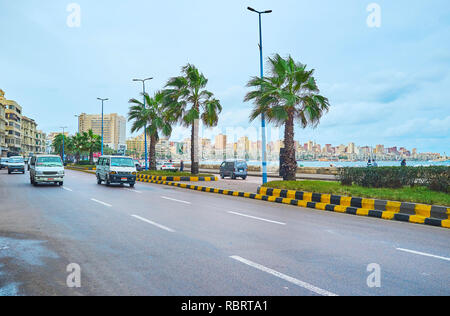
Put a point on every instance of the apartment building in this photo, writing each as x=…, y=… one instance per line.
x=3, y=122
x=13, y=115
x=136, y=145
x=114, y=128
x=41, y=142
x=29, y=131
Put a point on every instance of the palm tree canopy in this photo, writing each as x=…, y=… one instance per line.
x=151, y=115
x=187, y=100
x=290, y=89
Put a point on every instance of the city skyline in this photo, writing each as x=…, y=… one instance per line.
x=391, y=93
x=244, y=148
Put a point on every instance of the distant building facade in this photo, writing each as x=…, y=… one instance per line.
x=114, y=128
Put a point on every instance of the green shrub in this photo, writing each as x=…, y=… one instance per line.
x=83, y=163
x=435, y=178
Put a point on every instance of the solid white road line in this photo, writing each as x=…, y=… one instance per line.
x=67, y=189
x=100, y=202
x=154, y=224
x=175, y=200
x=302, y=284
x=258, y=218
x=423, y=254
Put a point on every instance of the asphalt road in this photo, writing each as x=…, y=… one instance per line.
x=159, y=240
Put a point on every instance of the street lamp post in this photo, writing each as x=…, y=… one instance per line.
x=263, y=119
x=103, y=100
x=145, y=127
x=63, y=136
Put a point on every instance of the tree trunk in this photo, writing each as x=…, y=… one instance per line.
x=194, y=148
x=290, y=164
x=152, y=158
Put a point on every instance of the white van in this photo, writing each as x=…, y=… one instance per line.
x=116, y=169
x=46, y=169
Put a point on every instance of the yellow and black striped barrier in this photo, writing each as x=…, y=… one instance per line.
x=148, y=178
x=292, y=200
x=402, y=211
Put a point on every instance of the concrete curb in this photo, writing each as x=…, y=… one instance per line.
x=405, y=208
x=387, y=215
x=146, y=178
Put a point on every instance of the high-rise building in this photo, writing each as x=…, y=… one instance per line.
x=220, y=146
x=136, y=146
x=3, y=122
x=162, y=148
x=351, y=148
x=13, y=115
x=114, y=128
x=29, y=131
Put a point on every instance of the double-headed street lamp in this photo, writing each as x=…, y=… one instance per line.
x=263, y=119
x=103, y=100
x=145, y=127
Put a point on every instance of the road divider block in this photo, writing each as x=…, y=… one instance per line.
x=314, y=201
x=414, y=212
x=147, y=178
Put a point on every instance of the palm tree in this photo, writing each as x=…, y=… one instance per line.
x=78, y=145
x=187, y=101
x=288, y=94
x=151, y=115
x=93, y=143
x=57, y=144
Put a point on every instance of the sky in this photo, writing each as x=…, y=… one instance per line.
x=386, y=85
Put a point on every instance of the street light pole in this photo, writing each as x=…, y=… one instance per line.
x=263, y=119
x=145, y=126
x=103, y=100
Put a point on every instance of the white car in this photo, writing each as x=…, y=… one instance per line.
x=166, y=166
x=46, y=169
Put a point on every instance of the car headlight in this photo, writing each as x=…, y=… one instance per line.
x=39, y=173
x=113, y=172
x=61, y=172
x=133, y=173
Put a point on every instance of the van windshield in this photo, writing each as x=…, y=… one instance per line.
x=49, y=162
x=122, y=162
x=16, y=160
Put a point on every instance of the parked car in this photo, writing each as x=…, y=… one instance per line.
x=166, y=166
x=234, y=169
x=116, y=169
x=46, y=169
x=3, y=163
x=16, y=164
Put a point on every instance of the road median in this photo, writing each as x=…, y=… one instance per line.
x=316, y=201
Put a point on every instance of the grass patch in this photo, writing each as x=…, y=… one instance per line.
x=416, y=194
x=162, y=173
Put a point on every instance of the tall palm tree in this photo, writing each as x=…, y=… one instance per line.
x=288, y=94
x=153, y=116
x=187, y=101
x=93, y=143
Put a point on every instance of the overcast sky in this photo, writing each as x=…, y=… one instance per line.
x=388, y=85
